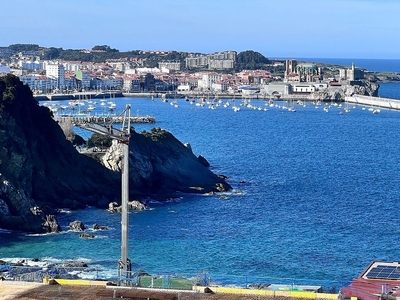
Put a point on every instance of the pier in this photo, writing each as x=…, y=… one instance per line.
x=374, y=101
x=78, y=96
x=102, y=120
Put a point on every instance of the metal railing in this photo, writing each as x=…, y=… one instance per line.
x=166, y=280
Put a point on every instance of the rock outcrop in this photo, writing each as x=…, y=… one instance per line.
x=113, y=207
x=77, y=226
x=99, y=227
x=162, y=165
x=41, y=171
x=338, y=93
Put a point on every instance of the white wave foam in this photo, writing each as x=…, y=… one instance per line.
x=41, y=234
x=83, y=259
x=101, y=237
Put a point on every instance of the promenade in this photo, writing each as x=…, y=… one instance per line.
x=101, y=120
x=377, y=102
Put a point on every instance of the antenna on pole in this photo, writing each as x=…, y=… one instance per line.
x=122, y=136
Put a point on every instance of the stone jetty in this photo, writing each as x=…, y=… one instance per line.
x=102, y=120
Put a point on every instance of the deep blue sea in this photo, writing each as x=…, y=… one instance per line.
x=375, y=65
x=315, y=198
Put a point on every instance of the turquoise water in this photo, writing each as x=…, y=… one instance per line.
x=315, y=198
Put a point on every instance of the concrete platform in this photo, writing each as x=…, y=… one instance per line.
x=38, y=291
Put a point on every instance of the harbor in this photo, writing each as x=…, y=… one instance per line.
x=79, y=98
x=103, y=119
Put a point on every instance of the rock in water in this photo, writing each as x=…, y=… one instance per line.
x=98, y=227
x=51, y=225
x=132, y=205
x=77, y=226
x=86, y=236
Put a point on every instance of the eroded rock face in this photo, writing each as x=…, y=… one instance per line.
x=161, y=164
x=40, y=170
x=361, y=87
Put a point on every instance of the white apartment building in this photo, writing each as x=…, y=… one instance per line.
x=39, y=83
x=72, y=66
x=207, y=80
x=220, y=86
x=30, y=65
x=108, y=83
x=171, y=65
x=131, y=84
x=56, y=71
x=119, y=66
x=221, y=64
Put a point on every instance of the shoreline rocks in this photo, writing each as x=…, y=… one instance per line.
x=77, y=226
x=113, y=207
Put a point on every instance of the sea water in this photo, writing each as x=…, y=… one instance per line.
x=315, y=198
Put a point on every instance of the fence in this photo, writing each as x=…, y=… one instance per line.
x=169, y=280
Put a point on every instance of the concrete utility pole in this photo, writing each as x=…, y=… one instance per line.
x=122, y=136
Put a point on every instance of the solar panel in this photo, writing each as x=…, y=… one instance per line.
x=394, y=276
x=384, y=272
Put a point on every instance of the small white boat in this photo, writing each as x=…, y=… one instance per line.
x=376, y=111
x=236, y=108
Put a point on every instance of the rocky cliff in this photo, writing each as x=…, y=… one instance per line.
x=40, y=170
x=162, y=165
x=338, y=93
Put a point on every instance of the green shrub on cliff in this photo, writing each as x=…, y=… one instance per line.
x=99, y=140
x=14, y=94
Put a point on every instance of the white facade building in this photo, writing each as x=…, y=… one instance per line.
x=72, y=66
x=171, y=65
x=207, y=80
x=220, y=86
x=30, y=65
x=275, y=88
x=57, y=72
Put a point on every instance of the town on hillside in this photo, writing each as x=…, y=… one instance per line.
x=102, y=69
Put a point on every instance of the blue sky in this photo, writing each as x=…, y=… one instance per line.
x=277, y=29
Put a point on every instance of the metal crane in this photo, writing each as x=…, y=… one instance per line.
x=122, y=136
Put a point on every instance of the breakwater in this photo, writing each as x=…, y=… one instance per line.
x=103, y=120
x=374, y=101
